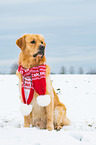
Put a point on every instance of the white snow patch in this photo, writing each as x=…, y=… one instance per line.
x=77, y=92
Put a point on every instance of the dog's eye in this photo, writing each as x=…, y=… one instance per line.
x=33, y=42
x=41, y=42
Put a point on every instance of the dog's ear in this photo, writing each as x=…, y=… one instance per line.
x=21, y=42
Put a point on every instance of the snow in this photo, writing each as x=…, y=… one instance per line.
x=77, y=92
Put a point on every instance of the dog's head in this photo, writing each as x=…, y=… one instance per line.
x=32, y=45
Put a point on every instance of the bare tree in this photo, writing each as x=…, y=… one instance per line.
x=92, y=71
x=14, y=68
x=80, y=70
x=71, y=70
x=63, y=70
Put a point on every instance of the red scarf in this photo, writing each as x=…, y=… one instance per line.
x=33, y=79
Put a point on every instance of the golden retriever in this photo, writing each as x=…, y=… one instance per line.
x=32, y=54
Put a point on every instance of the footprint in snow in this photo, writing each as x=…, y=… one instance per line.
x=79, y=137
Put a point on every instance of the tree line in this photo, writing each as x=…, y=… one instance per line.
x=80, y=70
x=63, y=70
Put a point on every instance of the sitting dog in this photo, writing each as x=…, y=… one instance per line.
x=33, y=68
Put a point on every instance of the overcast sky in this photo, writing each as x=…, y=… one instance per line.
x=69, y=28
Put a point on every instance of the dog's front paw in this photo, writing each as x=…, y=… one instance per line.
x=50, y=127
x=26, y=124
x=58, y=127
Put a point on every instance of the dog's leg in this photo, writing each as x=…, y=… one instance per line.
x=60, y=118
x=49, y=111
x=50, y=107
x=27, y=120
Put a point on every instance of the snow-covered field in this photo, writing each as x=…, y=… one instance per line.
x=77, y=92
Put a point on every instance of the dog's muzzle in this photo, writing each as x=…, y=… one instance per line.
x=41, y=51
x=41, y=48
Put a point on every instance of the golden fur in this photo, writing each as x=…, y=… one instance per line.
x=54, y=115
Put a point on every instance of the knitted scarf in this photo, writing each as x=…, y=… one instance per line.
x=32, y=79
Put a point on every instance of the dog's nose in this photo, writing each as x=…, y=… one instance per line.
x=41, y=47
